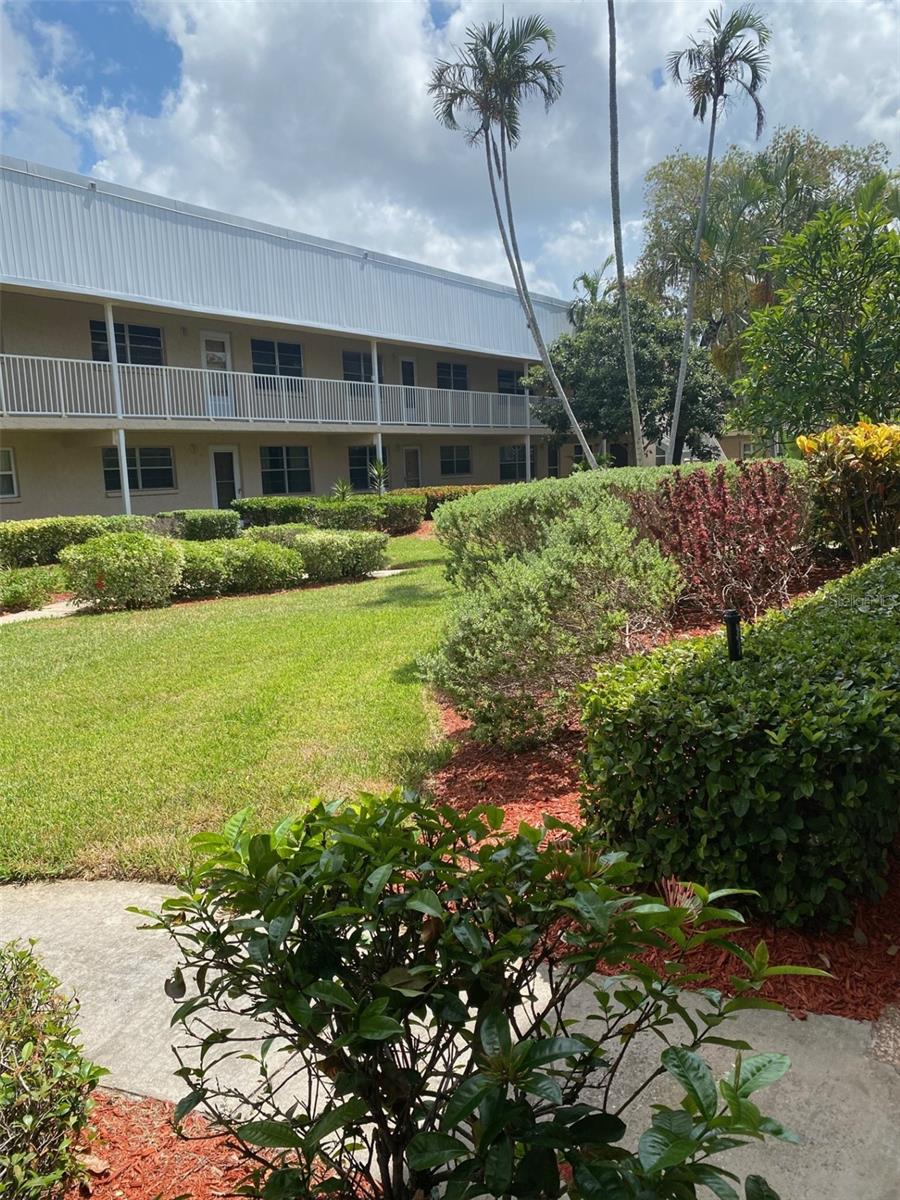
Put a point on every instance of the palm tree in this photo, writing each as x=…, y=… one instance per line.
x=497, y=69
x=636, y=431
x=587, y=292
x=732, y=55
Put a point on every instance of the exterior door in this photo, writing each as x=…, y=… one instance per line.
x=412, y=472
x=225, y=468
x=215, y=359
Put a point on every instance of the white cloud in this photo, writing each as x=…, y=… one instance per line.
x=316, y=116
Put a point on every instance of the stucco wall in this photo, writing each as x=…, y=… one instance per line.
x=62, y=472
x=44, y=326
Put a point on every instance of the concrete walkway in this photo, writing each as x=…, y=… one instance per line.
x=843, y=1101
x=61, y=608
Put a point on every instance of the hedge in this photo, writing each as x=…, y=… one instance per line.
x=38, y=542
x=25, y=588
x=389, y=513
x=332, y=554
x=123, y=570
x=45, y=1081
x=204, y=570
x=442, y=493
x=203, y=524
x=779, y=772
x=259, y=566
x=281, y=535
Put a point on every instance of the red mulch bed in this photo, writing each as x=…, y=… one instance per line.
x=864, y=958
x=145, y=1159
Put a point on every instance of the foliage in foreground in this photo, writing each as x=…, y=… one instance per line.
x=779, y=772
x=827, y=351
x=739, y=541
x=408, y=971
x=854, y=474
x=518, y=644
x=45, y=1081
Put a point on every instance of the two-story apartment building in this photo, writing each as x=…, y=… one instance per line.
x=156, y=355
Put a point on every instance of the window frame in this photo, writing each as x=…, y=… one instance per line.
x=99, y=340
x=12, y=472
x=452, y=368
x=263, y=377
x=285, y=469
x=362, y=355
x=454, y=457
x=107, y=452
x=371, y=456
x=517, y=389
x=519, y=461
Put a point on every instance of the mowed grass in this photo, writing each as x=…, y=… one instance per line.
x=123, y=734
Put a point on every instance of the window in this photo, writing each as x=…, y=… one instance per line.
x=508, y=382
x=358, y=367
x=747, y=450
x=512, y=463
x=454, y=376
x=456, y=460
x=553, y=461
x=286, y=470
x=138, y=344
x=149, y=468
x=9, y=484
x=359, y=459
x=276, y=358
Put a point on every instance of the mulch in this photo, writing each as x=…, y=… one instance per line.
x=136, y=1155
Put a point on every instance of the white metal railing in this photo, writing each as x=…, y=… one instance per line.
x=74, y=387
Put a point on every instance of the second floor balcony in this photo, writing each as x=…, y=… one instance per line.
x=80, y=390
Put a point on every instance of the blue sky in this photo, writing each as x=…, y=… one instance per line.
x=315, y=114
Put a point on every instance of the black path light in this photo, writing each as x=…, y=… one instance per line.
x=732, y=619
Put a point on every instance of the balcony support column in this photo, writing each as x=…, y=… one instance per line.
x=120, y=409
x=528, y=425
x=528, y=458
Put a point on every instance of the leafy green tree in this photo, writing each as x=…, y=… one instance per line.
x=731, y=57
x=499, y=67
x=755, y=199
x=590, y=363
x=827, y=351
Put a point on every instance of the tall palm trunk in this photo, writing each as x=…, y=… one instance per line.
x=636, y=431
x=674, y=443
x=511, y=246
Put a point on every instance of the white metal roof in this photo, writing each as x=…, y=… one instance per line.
x=75, y=234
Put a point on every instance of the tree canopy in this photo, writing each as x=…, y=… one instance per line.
x=827, y=351
x=590, y=363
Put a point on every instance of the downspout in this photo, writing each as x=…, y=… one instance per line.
x=120, y=411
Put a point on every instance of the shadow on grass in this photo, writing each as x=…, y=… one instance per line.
x=413, y=767
x=405, y=593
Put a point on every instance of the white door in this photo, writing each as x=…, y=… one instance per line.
x=215, y=359
x=225, y=471
x=412, y=472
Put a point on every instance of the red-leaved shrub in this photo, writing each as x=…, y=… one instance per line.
x=739, y=538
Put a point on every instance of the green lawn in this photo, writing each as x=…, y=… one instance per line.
x=123, y=734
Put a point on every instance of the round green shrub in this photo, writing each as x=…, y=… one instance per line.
x=203, y=524
x=123, y=570
x=332, y=554
x=45, y=1081
x=256, y=566
x=204, y=572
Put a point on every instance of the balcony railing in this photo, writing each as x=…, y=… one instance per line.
x=79, y=388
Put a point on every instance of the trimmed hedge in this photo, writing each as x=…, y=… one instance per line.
x=332, y=554
x=45, y=1081
x=203, y=524
x=39, y=542
x=259, y=566
x=777, y=773
x=204, y=571
x=389, y=513
x=281, y=535
x=442, y=493
x=123, y=570
x=26, y=588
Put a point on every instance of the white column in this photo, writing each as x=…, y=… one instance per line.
x=376, y=392
x=528, y=424
x=120, y=411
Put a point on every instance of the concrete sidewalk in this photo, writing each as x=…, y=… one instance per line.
x=842, y=1101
